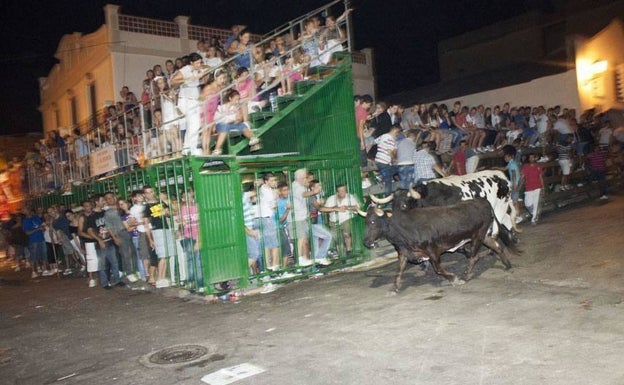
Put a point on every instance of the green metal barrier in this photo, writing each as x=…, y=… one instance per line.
x=316, y=131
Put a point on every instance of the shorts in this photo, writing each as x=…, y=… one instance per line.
x=302, y=230
x=37, y=251
x=55, y=252
x=227, y=127
x=92, y=258
x=566, y=166
x=164, y=244
x=269, y=233
x=144, y=247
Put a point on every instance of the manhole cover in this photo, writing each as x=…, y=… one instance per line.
x=178, y=354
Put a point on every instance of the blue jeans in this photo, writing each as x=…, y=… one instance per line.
x=193, y=262
x=254, y=246
x=140, y=265
x=387, y=171
x=323, y=237
x=406, y=175
x=108, y=254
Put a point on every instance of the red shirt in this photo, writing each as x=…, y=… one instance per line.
x=598, y=160
x=360, y=114
x=459, y=162
x=532, y=173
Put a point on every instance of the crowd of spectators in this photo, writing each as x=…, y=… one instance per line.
x=289, y=222
x=192, y=103
x=421, y=142
x=105, y=238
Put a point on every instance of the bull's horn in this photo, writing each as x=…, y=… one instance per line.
x=379, y=212
x=381, y=201
x=362, y=213
x=413, y=193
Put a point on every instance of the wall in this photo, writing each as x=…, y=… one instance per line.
x=553, y=90
x=364, y=73
x=599, y=89
x=522, y=45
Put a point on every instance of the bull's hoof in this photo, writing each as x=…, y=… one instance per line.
x=392, y=293
x=468, y=276
x=458, y=282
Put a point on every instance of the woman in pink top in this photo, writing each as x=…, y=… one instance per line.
x=189, y=218
x=210, y=95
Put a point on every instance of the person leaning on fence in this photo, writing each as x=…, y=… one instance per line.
x=188, y=79
x=87, y=241
x=33, y=227
x=105, y=242
x=53, y=246
x=113, y=222
x=252, y=231
x=342, y=207
x=285, y=226
x=139, y=239
x=191, y=241
x=321, y=236
x=158, y=233
x=267, y=201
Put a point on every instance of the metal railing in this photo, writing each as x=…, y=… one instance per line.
x=150, y=26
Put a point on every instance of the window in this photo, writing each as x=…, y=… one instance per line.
x=73, y=111
x=92, y=104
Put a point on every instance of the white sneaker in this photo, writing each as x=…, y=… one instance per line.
x=162, y=283
x=46, y=273
x=253, y=141
x=92, y=283
x=604, y=198
x=34, y=275
x=519, y=219
x=131, y=278
x=366, y=183
x=67, y=272
x=305, y=262
x=323, y=261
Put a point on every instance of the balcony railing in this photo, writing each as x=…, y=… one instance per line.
x=149, y=26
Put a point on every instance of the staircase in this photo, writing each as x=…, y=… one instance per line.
x=322, y=101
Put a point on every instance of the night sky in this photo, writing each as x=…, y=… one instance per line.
x=403, y=33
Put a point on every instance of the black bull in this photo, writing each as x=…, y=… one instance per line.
x=426, y=233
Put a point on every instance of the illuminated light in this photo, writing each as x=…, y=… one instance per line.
x=599, y=67
x=583, y=70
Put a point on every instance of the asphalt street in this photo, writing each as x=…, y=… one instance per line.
x=556, y=318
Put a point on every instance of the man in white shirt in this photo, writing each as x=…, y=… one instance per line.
x=386, y=156
x=268, y=206
x=300, y=195
x=343, y=207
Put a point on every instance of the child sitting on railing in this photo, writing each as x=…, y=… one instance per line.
x=228, y=117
